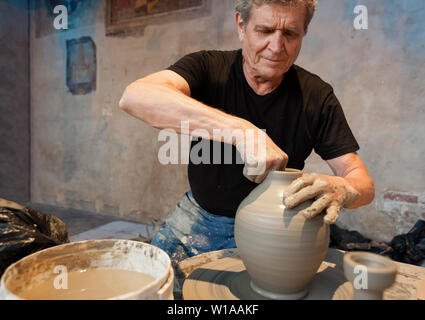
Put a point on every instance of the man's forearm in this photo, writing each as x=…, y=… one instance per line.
x=358, y=186
x=364, y=185
x=164, y=107
x=350, y=172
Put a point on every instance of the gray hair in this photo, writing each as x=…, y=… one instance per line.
x=244, y=8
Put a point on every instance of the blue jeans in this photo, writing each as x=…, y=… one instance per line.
x=190, y=230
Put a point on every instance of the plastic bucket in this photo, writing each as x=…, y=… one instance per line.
x=108, y=253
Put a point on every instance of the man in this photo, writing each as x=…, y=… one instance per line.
x=257, y=87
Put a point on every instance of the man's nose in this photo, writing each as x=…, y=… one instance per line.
x=276, y=44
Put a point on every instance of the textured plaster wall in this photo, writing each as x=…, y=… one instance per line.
x=14, y=101
x=88, y=154
x=378, y=76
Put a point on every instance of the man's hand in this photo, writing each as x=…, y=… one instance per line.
x=331, y=194
x=260, y=155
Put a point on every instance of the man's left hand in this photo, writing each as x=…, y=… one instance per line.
x=330, y=194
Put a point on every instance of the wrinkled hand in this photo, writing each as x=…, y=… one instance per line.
x=260, y=155
x=330, y=194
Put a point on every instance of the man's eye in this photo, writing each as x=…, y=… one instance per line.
x=290, y=33
x=266, y=31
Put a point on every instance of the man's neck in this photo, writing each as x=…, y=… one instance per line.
x=260, y=85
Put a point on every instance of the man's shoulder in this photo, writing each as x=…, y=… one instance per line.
x=311, y=81
x=220, y=52
x=205, y=61
x=223, y=56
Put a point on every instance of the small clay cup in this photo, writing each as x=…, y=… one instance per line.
x=369, y=273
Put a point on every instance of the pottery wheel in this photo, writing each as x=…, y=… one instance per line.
x=227, y=279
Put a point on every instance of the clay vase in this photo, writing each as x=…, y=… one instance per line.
x=280, y=249
x=369, y=273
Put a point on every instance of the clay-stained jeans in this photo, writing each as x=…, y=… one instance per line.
x=190, y=230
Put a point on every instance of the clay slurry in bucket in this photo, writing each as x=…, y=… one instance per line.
x=101, y=283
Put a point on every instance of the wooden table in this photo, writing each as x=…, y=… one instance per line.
x=409, y=277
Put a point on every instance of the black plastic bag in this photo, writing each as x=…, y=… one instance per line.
x=353, y=240
x=25, y=231
x=410, y=247
x=407, y=248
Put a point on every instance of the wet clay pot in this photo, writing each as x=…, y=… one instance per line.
x=280, y=249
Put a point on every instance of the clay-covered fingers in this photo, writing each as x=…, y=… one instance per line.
x=257, y=169
x=318, y=187
x=257, y=173
x=298, y=184
x=317, y=206
x=249, y=173
x=254, y=170
x=280, y=162
x=332, y=213
x=276, y=160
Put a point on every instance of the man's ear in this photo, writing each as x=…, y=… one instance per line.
x=241, y=26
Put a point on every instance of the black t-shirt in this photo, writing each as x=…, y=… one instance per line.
x=300, y=115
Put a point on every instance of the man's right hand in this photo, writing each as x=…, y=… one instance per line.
x=163, y=101
x=260, y=155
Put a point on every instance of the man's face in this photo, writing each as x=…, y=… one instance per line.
x=271, y=41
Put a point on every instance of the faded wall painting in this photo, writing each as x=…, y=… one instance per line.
x=124, y=17
x=81, y=65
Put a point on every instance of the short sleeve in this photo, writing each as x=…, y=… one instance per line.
x=334, y=137
x=193, y=68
